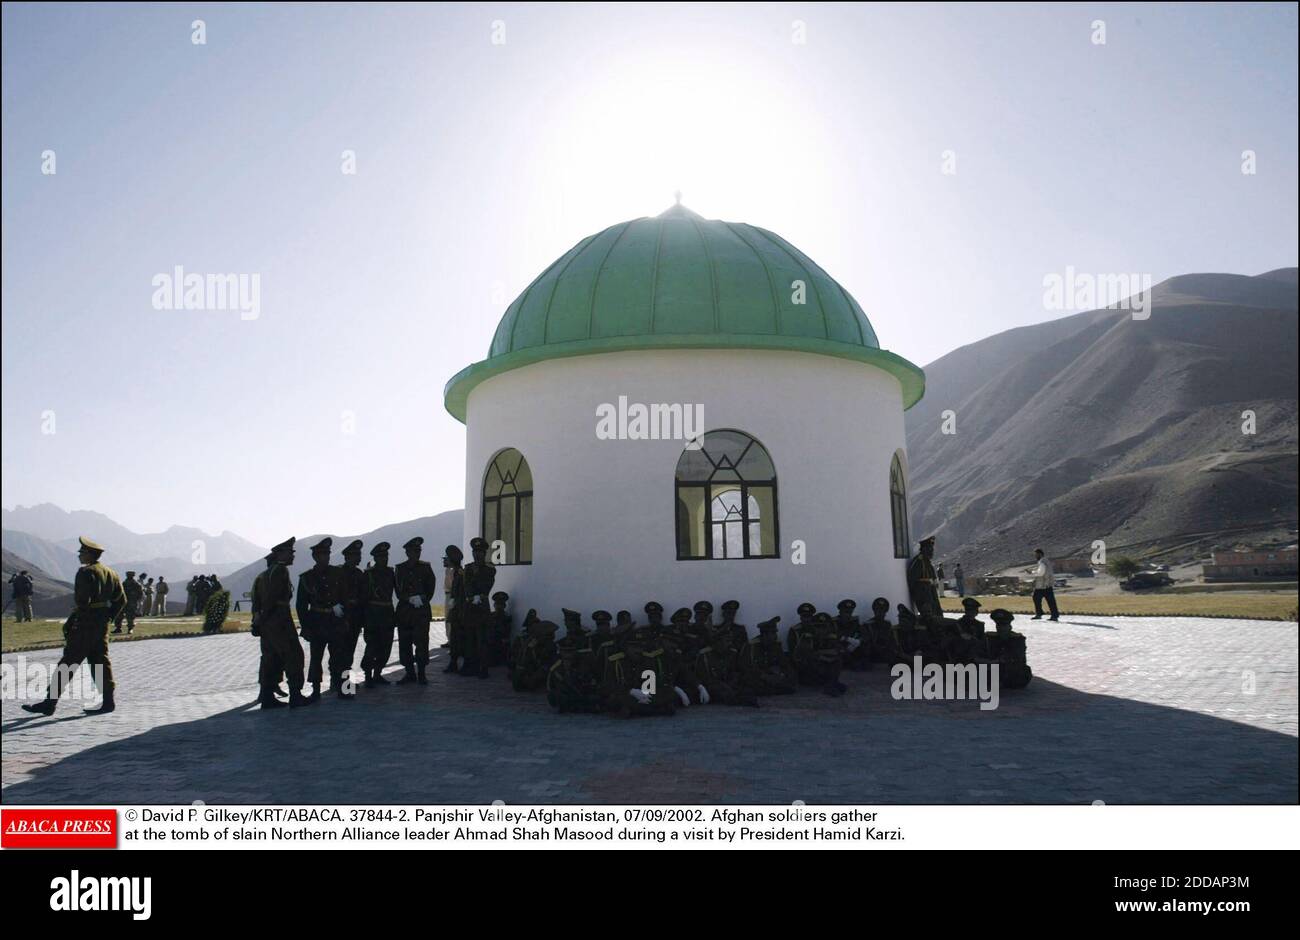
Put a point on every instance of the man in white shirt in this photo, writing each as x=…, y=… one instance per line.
x=1044, y=578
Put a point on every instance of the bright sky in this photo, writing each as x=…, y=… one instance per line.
x=479, y=163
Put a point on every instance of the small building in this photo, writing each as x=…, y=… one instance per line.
x=1076, y=566
x=682, y=409
x=1275, y=565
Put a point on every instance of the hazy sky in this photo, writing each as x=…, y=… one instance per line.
x=478, y=163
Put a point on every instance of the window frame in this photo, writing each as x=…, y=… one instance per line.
x=706, y=486
x=896, y=496
x=518, y=496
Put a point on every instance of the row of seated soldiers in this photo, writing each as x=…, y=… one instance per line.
x=654, y=668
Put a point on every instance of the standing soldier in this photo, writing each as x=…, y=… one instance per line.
x=189, y=595
x=923, y=582
x=99, y=599
x=273, y=626
x=320, y=611
x=416, y=584
x=23, y=587
x=500, y=629
x=131, y=588
x=381, y=584
x=453, y=601
x=479, y=578
x=354, y=597
x=146, y=605
x=160, y=597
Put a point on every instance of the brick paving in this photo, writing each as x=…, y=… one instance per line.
x=1125, y=710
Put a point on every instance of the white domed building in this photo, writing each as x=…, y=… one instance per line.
x=579, y=463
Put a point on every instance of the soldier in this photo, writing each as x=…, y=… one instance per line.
x=160, y=597
x=131, y=588
x=535, y=653
x=818, y=657
x=146, y=605
x=806, y=613
x=320, y=612
x=857, y=642
x=923, y=582
x=273, y=626
x=453, y=593
x=416, y=585
x=640, y=679
x=24, y=587
x=381, y=585
x=189, y=595
x=739, y=634
x=354, y=595
x=654, y=614
x=1007, y=649
x=765, y=669
x=201, y=591
x=501, y=629
x=683, y=646
x=603, y=634
x=479, y=578
x=99, y=598
x=967, y=632
x=886, y=646
x=718, y=669
x=270, y=670
x=575, y=635
x=572, y=684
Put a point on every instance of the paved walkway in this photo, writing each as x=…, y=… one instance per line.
x=1125, y=710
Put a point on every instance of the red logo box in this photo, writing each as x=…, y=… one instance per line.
x=58, y=828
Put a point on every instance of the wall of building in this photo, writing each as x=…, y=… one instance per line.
x=604, y=510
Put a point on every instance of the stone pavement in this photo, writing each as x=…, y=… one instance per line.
x=1125, y=710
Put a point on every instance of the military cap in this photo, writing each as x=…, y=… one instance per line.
x=1001, y=615
x=353, y=546
x=681, y=615
x=286, y=545
x=602, y=616
x=570, y=614
x=847, y=604
x=654, y=607
x=501, y=596
x=90, y=546
x=129, y=574
x=622, y=628
x=531, y=616
x=928, y=540
x=703, y=607
x=970, y=603
x=768, y=626
x=542, y=628
x=478, y=544
x=23, y=571
x=454, y=553
x=624, y=616
x=731, y=605
x=806, y=608
x=324, y=545
x=416, y=542
x=822, y=617
x=380, y=549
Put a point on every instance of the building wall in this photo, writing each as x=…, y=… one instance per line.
x=604, y=511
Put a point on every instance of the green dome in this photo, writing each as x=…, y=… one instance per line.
x=679, y=281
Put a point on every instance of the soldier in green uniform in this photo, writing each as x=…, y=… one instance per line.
x=131, y=588
x=603, y=633
x=535, y=653
x=856, y=640
x=416, y=585
x=717, y=668
x=682, y=645
x=575, y=634
x=501, y=629
x=572, y=684
x=1007, y=649
x=765, y=668
x=381, y=585
x=320, y=611
x=453, y=599
x=161, y=589
x=24, y=587
x=98, y=598
x=739, y=634
x=818, y=657
x=640, y=679
x=270, y=670
x=189, y=596
x=806, y=612
x=923, y=582
x=479, y=578
x=146, y=604
x=353, y=595
x=273, y=626
x=886, y=646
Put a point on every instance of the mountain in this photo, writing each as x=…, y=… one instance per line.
x=62, y=528
x=439, y=531
x=57, y=562
x=52, y=597
x=1099, y=426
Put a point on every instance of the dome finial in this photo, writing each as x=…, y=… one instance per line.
x=678, y=196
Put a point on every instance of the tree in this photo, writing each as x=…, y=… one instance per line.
x=1123, y=567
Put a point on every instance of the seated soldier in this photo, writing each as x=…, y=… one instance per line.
x=499, y=647
x=683, y=643
x=917, y=639
x=1007, y=649
x=806, y=613
x=638, y=679
x=856, y=640
x=575, y=634
x=966, y=639
x=739, y=634
x=535, y=656
x=886, y=646
x=818, y=657
x=765, y=669
x=572, y=684
x=602, y=637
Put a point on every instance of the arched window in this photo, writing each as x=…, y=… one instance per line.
x=726, y=499
x=508, y=506
x=898, y=509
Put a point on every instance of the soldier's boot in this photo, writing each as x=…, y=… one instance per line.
x=421, y=677
x=42, y=708
x=297, y=699
x=343, y=687
x=106, y=706
x=315, y=692
x=451, y=664
x=280, y=692
x=268, y=701
x=409, y=677
x=379, y=678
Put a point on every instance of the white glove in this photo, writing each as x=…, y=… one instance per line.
x=415, y=600
x=704, y=695
x=852, y=643
x=640, y=696
x=338, y=610
x=478, y=599
x=685, y=699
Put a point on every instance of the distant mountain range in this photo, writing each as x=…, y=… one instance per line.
x=47, y=536
x=1099, y=426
